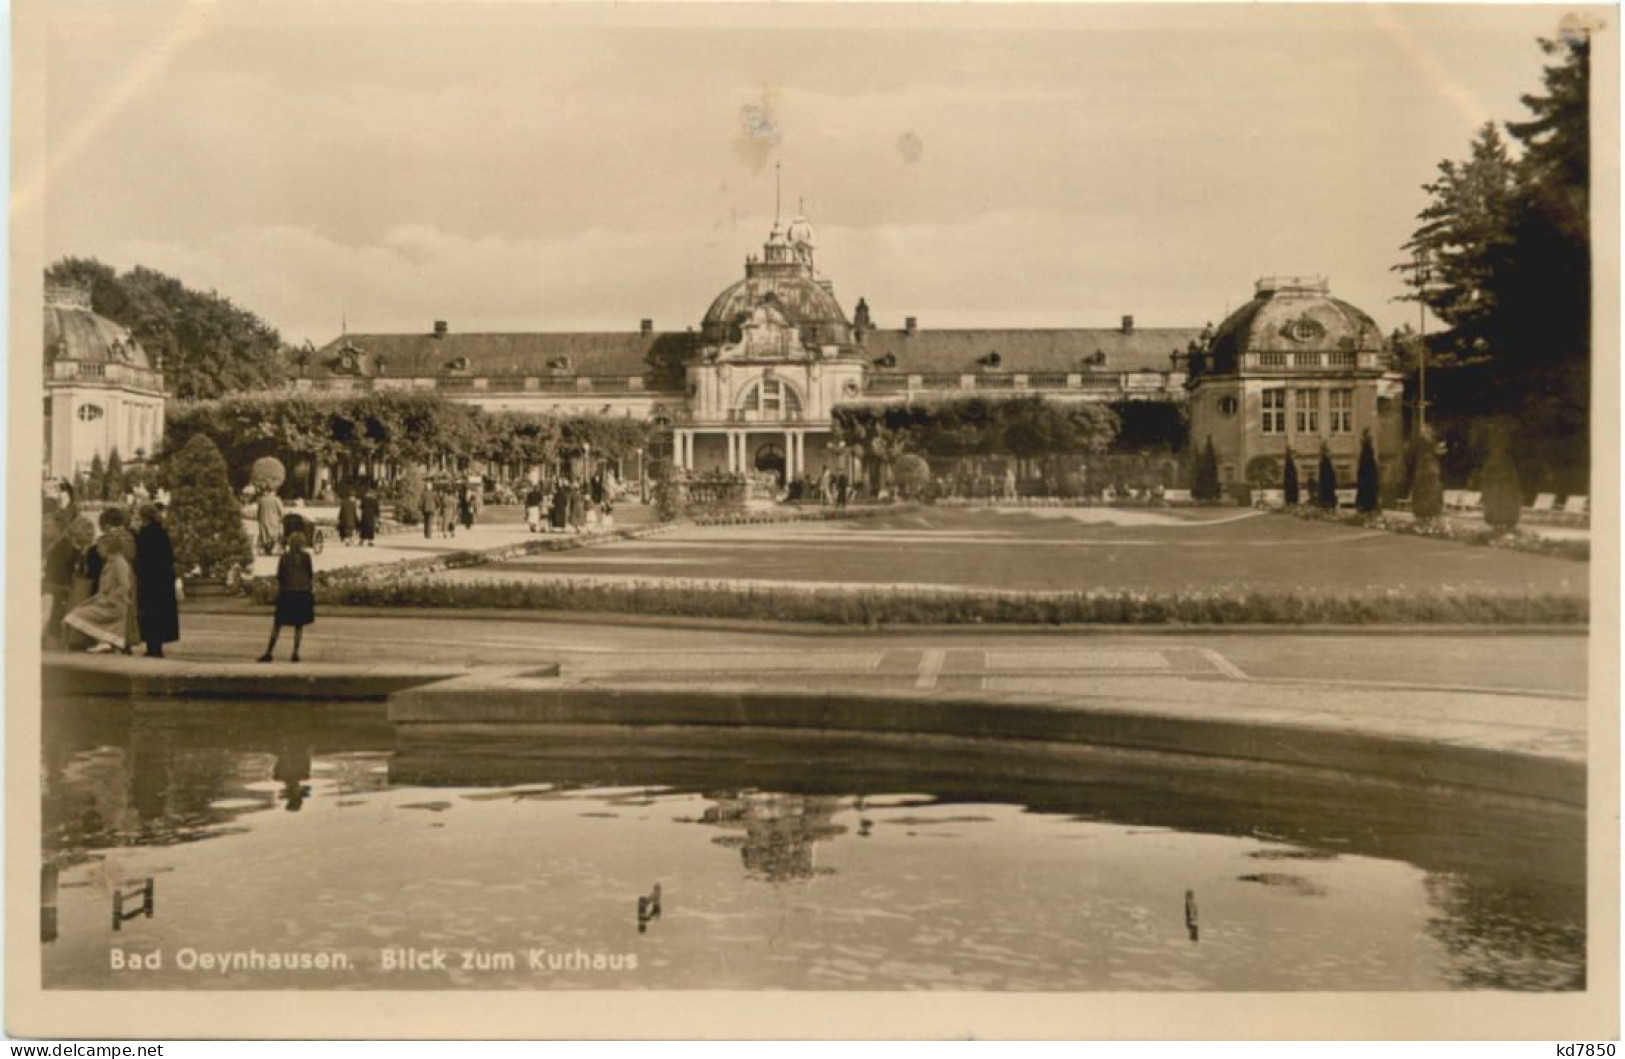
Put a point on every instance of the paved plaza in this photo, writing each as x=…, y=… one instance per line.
x=1499, y=690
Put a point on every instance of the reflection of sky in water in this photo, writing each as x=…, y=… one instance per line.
x=761, y=888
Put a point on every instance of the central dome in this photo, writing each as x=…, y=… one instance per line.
x=805, y=303
x=783, y=280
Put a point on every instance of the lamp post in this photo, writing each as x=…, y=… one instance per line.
x=643, y=484
x=1423, y=274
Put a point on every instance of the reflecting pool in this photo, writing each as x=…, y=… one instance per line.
x=301, y=847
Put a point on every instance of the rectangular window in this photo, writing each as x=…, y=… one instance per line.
x=1274, y=411
x=1342, y=411
x=1308, y=404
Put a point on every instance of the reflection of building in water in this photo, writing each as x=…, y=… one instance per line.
x=87, y=797
x=780, y=830
x=1526, y=935
x=146, y=792
x=354, y=772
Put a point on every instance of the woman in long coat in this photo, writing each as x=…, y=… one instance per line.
x=445, y=512
x=578, y=508
x=268, y=515
x=155, y=606
x=105, y=617
x=87, y=562
x=348, y=517
x=559, y=513
x=369, y=517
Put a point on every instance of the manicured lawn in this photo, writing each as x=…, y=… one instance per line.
x=1067, y=550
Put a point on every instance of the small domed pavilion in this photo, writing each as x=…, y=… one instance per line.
x=102, y=390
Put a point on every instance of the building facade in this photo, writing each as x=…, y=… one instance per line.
x=102, y=392
x=1290, y=371
x=753, y=387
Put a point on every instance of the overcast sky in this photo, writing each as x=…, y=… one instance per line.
x=522, y=168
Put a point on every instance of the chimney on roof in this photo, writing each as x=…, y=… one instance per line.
x=1128, y=325
x=440, y=329
x=911, y=324
x=646, y=326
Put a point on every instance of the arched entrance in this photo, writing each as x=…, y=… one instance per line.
x=770, y=460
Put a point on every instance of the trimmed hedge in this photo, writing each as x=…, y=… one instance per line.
x=872, y=607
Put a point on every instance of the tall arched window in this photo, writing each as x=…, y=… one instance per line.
x=772, y=399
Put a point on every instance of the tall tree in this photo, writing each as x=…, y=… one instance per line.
x=1502, y=256
x=206, y=346
x=1460, y=262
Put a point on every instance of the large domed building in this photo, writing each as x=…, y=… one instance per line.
x=775, y=355
x=754, y=385
x=102, y=390
x=1293, y=369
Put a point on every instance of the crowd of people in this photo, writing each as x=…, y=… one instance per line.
x=109, y=585
x=447, y=503
x=567, y=505
x=829, y=488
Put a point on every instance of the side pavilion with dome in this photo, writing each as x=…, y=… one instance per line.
x=102, y=391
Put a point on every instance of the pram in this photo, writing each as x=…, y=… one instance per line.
x=296, y=523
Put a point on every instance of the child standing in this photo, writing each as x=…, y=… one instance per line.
x=295, y=595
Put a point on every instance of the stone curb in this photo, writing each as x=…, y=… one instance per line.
x=142, y=678
x=512, y=707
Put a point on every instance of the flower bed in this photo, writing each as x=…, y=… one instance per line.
x=873, y=607
x=263, y=589
x=1445, y=529
x=810, y=514
x=1079, y=501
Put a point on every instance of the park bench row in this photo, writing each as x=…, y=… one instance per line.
x=1461, y=501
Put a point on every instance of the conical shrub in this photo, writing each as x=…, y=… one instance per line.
x=208, y=523
x=1326, y=481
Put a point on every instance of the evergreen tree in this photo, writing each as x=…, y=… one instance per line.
x=1427, y=489
x=1289, y=482
x=1368, y=481
x=1206, y=483
x=1503, y=494
x=208, y=523
x=1326, y=481
x=113, y=480
x=407, y=491
x=1502, y=256
x=95, y=479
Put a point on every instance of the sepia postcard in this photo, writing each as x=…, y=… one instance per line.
x=813, y=520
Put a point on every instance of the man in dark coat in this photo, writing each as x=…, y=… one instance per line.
x=155, y=606
x=428, y=507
